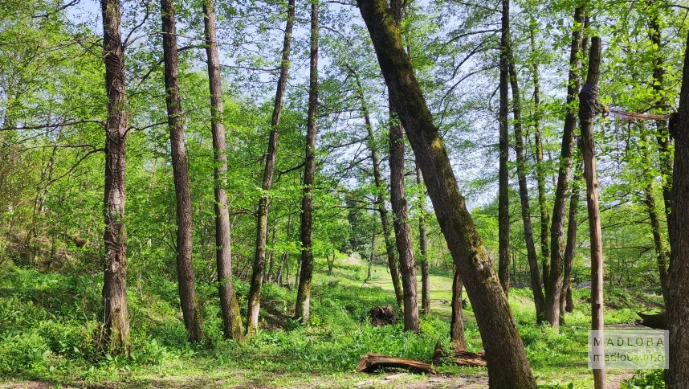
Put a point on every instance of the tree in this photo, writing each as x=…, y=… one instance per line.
x=268, y=173
x=116, y=315
x=457, y=320
x=677, y=376
x=521, y=174
x=232, y=320
x=304, y=294
x=588, y=108
x=398, y=200
x=557, y=228
x=508, y=366
x=504, y=149
x=423, y=248
x=185, y=271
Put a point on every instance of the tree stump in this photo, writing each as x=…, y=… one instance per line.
x=381, y=316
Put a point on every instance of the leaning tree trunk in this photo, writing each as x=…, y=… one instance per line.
x=588, y=107
x=504, y=146
x=457, y=321
x=677, y=377
x=505, y=354
x=301, y=310
x=185, y=271
x=268, y=173
x=423, y=247
x=229, y=305
x=540, y=166
x=557, y=229
x=380, y=196
x=539, y=299
x=115, y=315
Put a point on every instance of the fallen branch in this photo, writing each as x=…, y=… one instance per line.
x=654, y=320
x=372, y=362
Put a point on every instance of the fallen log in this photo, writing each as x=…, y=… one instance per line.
x=653, y=320
x=461, y=357
x=372, y=362
x=467, y=358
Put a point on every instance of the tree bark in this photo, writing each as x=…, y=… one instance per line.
x=229, y=305
x=539, y=299
x=423, y=247
x=508, y=366
x=504, y=149
x=540, y=166
x=185, y=270
x=380, y=196
x=557, y=229
x=115, y=315
x=677, y=377
x=588, y=108
x=268, y=172
x=304, y=293
x=457, y=321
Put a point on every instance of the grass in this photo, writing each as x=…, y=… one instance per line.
x=49, y=327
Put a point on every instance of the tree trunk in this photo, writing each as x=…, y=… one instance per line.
x=508, y=366
x=371, y=256
x=588, y=107
x=650, y=203
x=557, y=229
x=268, y=172
x=185, y=270
x=271, y=257
x=539, y=299
x=540, y=166
x=380, y=196
x=504, y=174
x=457, y=321
x=115, y=315
x=566, y=300
x=677, y=377
x=423, y=247
x=229, y=305
x=304, y=293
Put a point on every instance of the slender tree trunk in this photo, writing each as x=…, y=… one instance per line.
x=457, y=322
x=423, y=247
x=185, y=271
x=371, y=256
x=380, y=196
x=398, y=200
x=677, y=377
x=268, y=172
x=588, y=107
x=557, y=229
x=505, y=354
x=566, y=300
x=539, y=299
x=304, y=292
x=504, y=174
x=649, y=201
x=115, y=315
x=229, y=305
x=271, y=258
x=540, y=166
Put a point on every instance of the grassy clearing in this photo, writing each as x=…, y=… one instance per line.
x=48, y=332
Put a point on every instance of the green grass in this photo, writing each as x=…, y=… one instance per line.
x=49, y=328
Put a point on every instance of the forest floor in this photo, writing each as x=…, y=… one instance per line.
x=46, y=338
